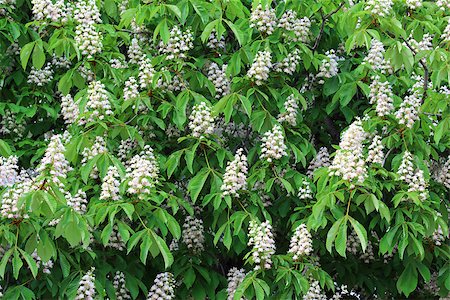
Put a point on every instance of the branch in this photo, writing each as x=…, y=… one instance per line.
x=424, y=66
x=324, y=20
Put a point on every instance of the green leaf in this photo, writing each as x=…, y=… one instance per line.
x=30, y=261
x=17, y=264
x=341, y=239
x=25, y=53
x=361, y=232
x=162, y=246
x=72, y=234
x=331, y=235
x=38, y=57
x=237, y=32
x=5, y=149
x=407, y=282
x=196, y=184
x=208, y=29
x=189, y=277
x=174, y=9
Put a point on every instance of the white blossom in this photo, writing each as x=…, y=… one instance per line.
x=97, y=148
x=40, y=77
x=193, y=234
x=88, y=39
x=299, y=27
x=289, y=64
x=142, y=173
x=305, y=192
x=214, y=43
x=86, y=287
x=46, y=10
x=178, y=45
x=110, y=185
x=60, y=62
x=262, y=240
x=412, y=176
x=98, y=101
x=146, y=72
x=290, y=115
x=69, y=109
x=201, y=120
x=10, y=198
x=259, y=71
x=122, y=293
x=329, y=66
x=118, y=63
x=163, y=287
x=408, y=112
x=130, y=91
x=125, y=148
x=440, y=171
x=273, y=146
x=301, y=242
x=322, y=159
x=54, y=161
x=46, y=266
x=12, y=125
x=443, y=4
x=115, y=240
x=78, y=201
x=8, y=170
x=380, y=8
x=135, y=52
x=234, y=277
x=264, y=20
x=414, y=4
x=381, y=95
x=219, y=79
x=235, y=177
x=375, y=58
x=314, y=292
x=376, y=154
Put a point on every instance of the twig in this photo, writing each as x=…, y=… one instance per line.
x=324, y=20
x=424, y=66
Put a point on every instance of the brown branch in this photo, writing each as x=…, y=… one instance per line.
x=424, y=66
x=324, y=20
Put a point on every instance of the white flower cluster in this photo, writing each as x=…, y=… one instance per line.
x=86, y=288
x=178, y=45
x=264, y=20
x=130, y=91
x=115, y=240
x=376, y=154
x=290, y=115
x=314, y=292
x=60, y=62
x=214, y=43
x=413, y=177
x=46, y=266
x=142, y=173
x=46, y=10
x=262, y=240
x=87, y=38
x=98, y=103
x=86, y=73
x=163, y=287
x=381, y=95
x=146, y=72
x=117, y=63
x=99, y=147
x=8, y=170
x=441, y=171
x=10, y=125
x=135, y=52
x=5, y=6
x=54, y=161
x=78, y=202
x=329, y=66
x=322, y=159
x=234, y=277
x=349, y=162
x=273, y=146
x=122, y=293
x=414, y=4
x=305, y=192
x=1, y=294
x=69, y=109
x=300, y=27
x=443, y=4
x=425, y=44
x=301, y=242
x=40, y=77
x=201, y=120
x=343, y=293
x=375, y=58
x=125, y=148
x=219, y=79
x=110, y=185
x=408, y=112
x=193, y=234
x=380, y=8
x=175, y=83
x=446, y=34
x=259, y=71
x=289, y=64
x=10, y=198
x=235, y=177
x=438, y=236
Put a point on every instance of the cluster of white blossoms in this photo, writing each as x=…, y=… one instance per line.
x=440, y=171
x=131, y=89
x=98, y=147
x=349, y=161
x=414, y=4
x=273, y=146
x=305, y=192
x=87, y=38
x=201, y=120
x=425, y=44
x=110, y=185
x=163, y=287
x=343, y=293
x=314, y=292
x=408, y=112
x=11, y=125
x=78, y=201
x=46, y=266
x=289, y=64
x=234, y=278
x=375, y=58
x=264, y=20
x=329, y=66
x=135, y=52
x=86, y=73
x=438, y=236
x=300, y=27
x=125, y=148
x=122, y=293
x=235, y=177
x=142, y=173
x=5, y=6
x=10, y=198
x=376, y=154
x=262, y=240
x=301, y=242
x=380, y=8
x=259, y=71
x=443, y=4
x=290, y=115
x=412, y=176
x=117, y=63
x=214, y=43
x=381, y=95
x=46, y=10
x=178, y=45
x=219, y=79
x=146, y=72
x=193, y=234
x=54, y=160
x=69, y=109
x=115, y=240
x=8, y=170
x=98, y=103
x=446, y=34
x=354, y=247
x=86, y=288
x=60, y=62
x=40, y=77
x=322, y=159
x=173, y=84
